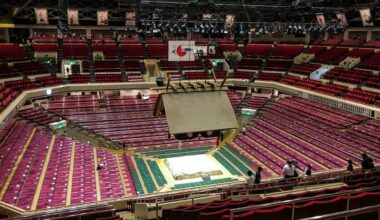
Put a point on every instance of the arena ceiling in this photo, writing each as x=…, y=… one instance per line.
x=22, y=11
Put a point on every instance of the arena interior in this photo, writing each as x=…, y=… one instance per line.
x=150, y=109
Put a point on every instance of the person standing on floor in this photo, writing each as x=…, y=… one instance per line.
x=289, y=170
x=251, y=179
x=367, y=163
x=258, y=175
x=350, y=167
x=307, y=170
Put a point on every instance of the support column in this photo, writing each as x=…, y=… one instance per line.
x=345, y=35
x=88, y=33
x=4, y=34
x=369, y=35
x=307, y=38
x=31, y=34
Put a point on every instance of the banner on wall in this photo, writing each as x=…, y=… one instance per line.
x=181, y=50
x=320, y=18
x=342, y=18
x=365, y=14
x=41, y=15
x=130, y=19
x=102, y=17
x=72, y=16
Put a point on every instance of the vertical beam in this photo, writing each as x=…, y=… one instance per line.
x=42, y=176
x=71, y=171
x=117, y=158
x=97, y=182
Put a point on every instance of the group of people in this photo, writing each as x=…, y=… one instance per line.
x=290, y=169
x=254, y=179
x=366, y=164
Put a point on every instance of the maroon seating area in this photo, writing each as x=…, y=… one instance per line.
x=279, y=65
x=269, y=76
x=40, y=117
x=271, y=138
x=135, y=77
x=196, y=75
x=79, y=78
x=307, y=204
x=290, y=79
x=372, y=43
x=315, y=50
x=106, y=66
x=228, y=47
x=75, y=51
x=357, y=53
x=45, y=39
x=108, y=78
x=6, y=96
x=243, y=75
x=329, y=56
x=12, y=52
x=286, y=127
x=352, y=43
x=363, y=96
x=305, y=68
x=158, y=50
x=374, y=81
x=45, y=81
x=21, y=68
x=257, y=50
x=45, y=47
x=109, y=51
x=287, y=51
x=133, y=51
x=325, y=138
x=372, y=62
x=75, y=40
x=122, y=112
x=266, y=57
x=331, y=42
x=22, y=187
x=332, y=89
x=352, y=76
x=250, y=64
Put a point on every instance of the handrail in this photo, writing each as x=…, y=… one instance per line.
x=192, y=200
x=347, y=213
x=69, y=209
x=305, y=181
x=294, y=201
x=212, y=189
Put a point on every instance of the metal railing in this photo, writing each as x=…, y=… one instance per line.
x=159, y=204
x=279, y=184
x=295, y=201
x=346, y=214
x=66, y=211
